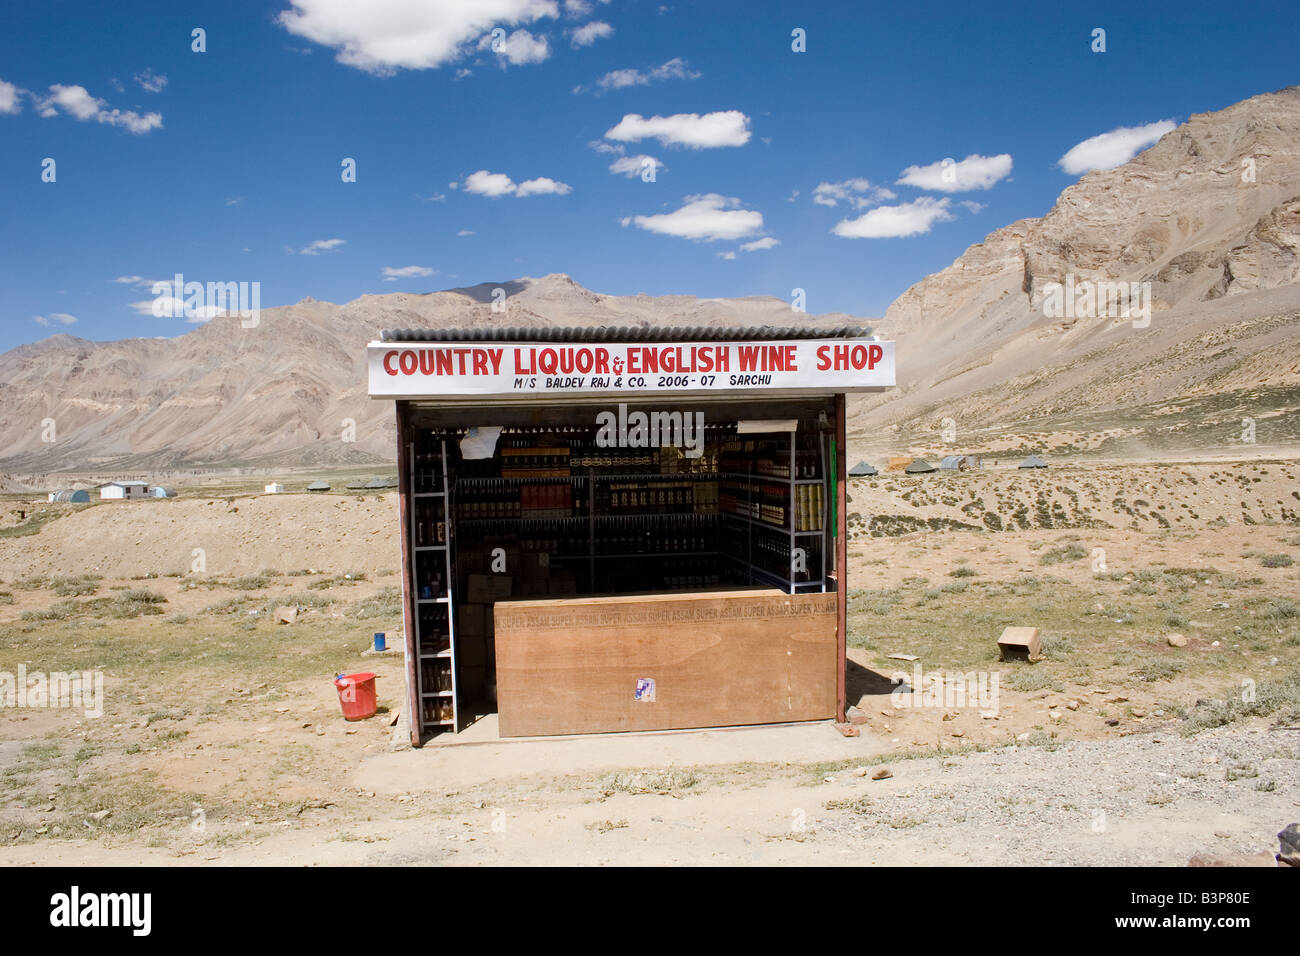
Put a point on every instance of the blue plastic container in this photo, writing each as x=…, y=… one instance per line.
x=380, y=643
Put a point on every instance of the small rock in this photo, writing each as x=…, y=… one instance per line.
x=1054, y=714
x=950, y=715
x=1176, y=640
x=862, y=771
x=1071, y=705
x=1113, y=722
x=884, y=773
x=988, y=715
x=848, y=730
x=1022, y=737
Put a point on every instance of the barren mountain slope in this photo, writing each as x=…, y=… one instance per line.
x=281, y=392
x=1209, y=216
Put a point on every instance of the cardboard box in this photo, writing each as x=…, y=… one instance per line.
x=1020, y=643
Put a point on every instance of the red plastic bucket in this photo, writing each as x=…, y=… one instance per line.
x=357, y=695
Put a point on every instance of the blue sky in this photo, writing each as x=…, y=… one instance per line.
x=476, y=164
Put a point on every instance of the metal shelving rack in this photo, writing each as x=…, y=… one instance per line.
x=585, y=485
x=447, y=656
x=751, y=480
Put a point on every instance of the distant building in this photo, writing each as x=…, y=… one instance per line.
x=920, y=466
x=120, y=490
x=319, y=486
x=862, y=470
x=1033, y=461
x=158, y=491
x=275, y=488
x=960, y=463
x=76, y=496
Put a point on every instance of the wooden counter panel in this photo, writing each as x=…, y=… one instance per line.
x=717, y=659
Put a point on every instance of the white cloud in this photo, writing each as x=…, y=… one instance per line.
x=600, y=147
x=392, y=274
x=1108, y=150
x=707, y=217
x=631, y=166
x=590, y=33
x=543, y=186
x=729, y=128
x=235, y=201
x=674, y=69
x=948, y=176
x=492, y=185
x=496, y=185
x=151, y=82
x=129, y=280
x=905, y=219
x=9, y=102
x=382, y=36
x=54, y=319
x=465, y=232
x=727, y=255
x=517, y=49
x=973, y=207
x=321, y=245
x=170, y=307
x=78, y=103
x=855, y=192
x=578, y=8
x=767, y=242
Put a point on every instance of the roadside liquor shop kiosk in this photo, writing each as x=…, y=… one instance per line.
x=623, y=528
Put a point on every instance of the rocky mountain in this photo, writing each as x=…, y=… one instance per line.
x=1201, y=232
x=280, y=393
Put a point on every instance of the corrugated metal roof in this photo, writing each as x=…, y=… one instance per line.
x=627, y=333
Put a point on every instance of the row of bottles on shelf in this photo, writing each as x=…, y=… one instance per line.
x=521, y=460
x=435, y=675
x=430, y=524
x=770, y=504
x=656, y=497
x=482, y=500
x=808, y=503
x=429, y=570
x=771, y=553
x=766, y=503
x=427, y=467
x=435, y=636
x=628, y=535
x=437, y=710
x=770, y=459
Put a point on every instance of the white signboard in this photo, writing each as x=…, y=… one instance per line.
x=466, y=369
